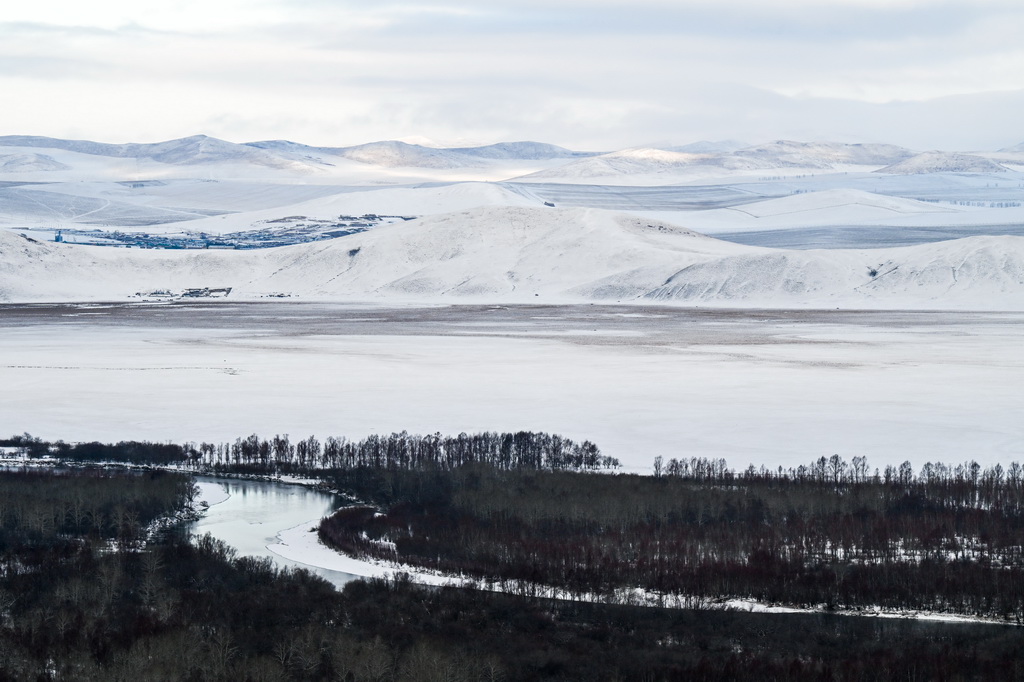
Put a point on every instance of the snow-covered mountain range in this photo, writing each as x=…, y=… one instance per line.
x=397, y=154
x=32, y=153
x=198, y=149
x=515, y=221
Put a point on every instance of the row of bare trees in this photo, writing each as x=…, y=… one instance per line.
x=523, y=449
x=839, y=472
x=277, y=455
x=80, y=601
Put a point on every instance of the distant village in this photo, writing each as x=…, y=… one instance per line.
x=168, y=295
x=283, y=231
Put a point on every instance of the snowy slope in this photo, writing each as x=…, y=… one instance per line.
x=641, y=161
x=828, y=200
x=943, y=162
x=231, y=206
x=197, y=149
x=527, y=151
x=390, y=201
x=536, y=254
x=977, y=273
x=652, y=166
x=705, y=160
x=710, y=146
x=817, y=209
x=391, y=154
x=38, y=204
x=196, y=157
x=495, y=252
x=395, y=153
x=824, y=154
x=42, y=159
x=190, y=158
x=27, y=162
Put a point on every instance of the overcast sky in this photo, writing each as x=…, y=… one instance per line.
x=593, y=74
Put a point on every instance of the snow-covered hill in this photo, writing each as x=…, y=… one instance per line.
x=709, y=146
x=818, y=209
x=27, y=162
x=397, y=154
x=533, y=160
x=628, y=162
x=43, y=159
x=712, y=160
x=535, y=255
x=197, y=149
x=392, y=201
x=784, y=153
x=943, y=162
x=844, y=200
x=526, y=151
x=976, y=272
x=391, y=154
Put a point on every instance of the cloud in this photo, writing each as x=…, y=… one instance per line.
x=596, y=74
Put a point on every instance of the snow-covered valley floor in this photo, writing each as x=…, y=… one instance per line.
x=762, y=387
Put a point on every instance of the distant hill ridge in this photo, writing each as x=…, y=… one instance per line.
x=199, y=149
x=187, y=150
x=943, y=162
x=727, y=155
x=518, y=254
x=393, y=153
x=697, y=158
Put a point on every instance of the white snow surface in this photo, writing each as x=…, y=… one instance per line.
x=763, y=387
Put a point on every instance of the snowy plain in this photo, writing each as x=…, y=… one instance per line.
x=773, y=388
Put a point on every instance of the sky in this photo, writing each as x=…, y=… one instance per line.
x=594, y=74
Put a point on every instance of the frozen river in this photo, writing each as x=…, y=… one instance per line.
x=250, y=515
x=762, y=387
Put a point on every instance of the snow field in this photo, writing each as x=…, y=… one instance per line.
x=761, y=388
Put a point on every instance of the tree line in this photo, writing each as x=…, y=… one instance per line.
x=281, y=455
x=948, y=540
x=521, y=509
